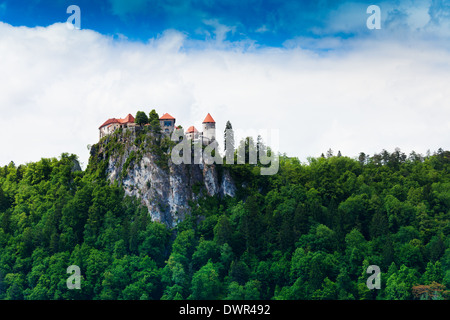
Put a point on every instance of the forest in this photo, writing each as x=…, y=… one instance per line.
x=308, y=232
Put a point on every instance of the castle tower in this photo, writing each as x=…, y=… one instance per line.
x=209, y=129
x=167, y=123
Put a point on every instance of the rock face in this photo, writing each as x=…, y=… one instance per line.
x=166, y=190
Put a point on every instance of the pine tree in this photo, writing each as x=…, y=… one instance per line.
x=228, y=136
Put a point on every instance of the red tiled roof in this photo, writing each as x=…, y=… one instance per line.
x=208, y=119
x=128, y=119
x=191, y=129
x=109, y=121
x=166, y=116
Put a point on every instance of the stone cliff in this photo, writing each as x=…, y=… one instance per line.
x=140, y=161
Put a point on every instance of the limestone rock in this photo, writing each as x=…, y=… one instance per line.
x=166, y=192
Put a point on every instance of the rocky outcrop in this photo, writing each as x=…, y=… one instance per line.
x=166, y=190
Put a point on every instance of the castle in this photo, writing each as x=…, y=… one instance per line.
x=167, y=124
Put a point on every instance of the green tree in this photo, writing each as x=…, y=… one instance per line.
x=433, y=273
x=15, y=284
x=141, y=118
x=327, y=292
x=206, y=250
x=184, y=244
x=399, y=284
x=153, y=120
x=222, y=230
x=205, y=283
x=235, y=291
x=252, y=290
x=239, y=272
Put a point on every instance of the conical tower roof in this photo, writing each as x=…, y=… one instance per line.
x=209, y=119
x=166, y=116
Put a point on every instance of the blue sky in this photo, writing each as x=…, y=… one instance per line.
x=311, y=70
x=265, y=22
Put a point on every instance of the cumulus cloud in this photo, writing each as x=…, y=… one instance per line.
x=58, y=86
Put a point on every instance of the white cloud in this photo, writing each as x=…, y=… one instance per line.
x=262, y=29
x=58, y=86
x=220, y=30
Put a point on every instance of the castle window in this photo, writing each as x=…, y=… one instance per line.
x=167, y=123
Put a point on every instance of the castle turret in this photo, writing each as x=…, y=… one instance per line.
x=209, y=129
x=167, y=123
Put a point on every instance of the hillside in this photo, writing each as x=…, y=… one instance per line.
x=139, y=160
x=308, y=232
